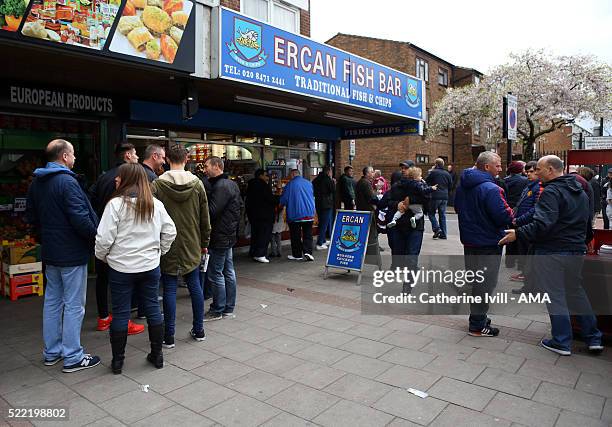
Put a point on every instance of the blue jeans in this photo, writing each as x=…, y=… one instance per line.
x=197, y=301
x=560, y=275
x=325, y=224
x=122, y=287
x=222, y=278
x=205, y=283
x=439, y=207
x=63, y=312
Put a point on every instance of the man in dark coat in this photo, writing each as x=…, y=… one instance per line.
x=58, y=207
x=324, y=190
x=439, y=198
x=515, y=182
x=99, y=194
x=605, y=183
x=260, y=203
x=346, y=186
x=483, y=215
x=225, y=205
x=365, y=200
x=558, y=234
x=154, y=160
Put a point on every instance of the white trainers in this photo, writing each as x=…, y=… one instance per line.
x=322, y=247
x=261, y=259
x=292, y=258
x=309, y=257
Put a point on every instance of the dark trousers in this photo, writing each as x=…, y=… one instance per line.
x=348, y=204
x=606, y=221
x=122, y=287
x=102, y=288
x=261, y=233
x=405, y=247
x=560, y=276
x=301, y=238
x=487, y=260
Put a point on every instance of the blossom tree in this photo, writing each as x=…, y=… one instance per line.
x=552, y=91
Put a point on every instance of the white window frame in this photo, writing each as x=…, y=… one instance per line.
x=271, y=4
x=443, y=72
x=426, y=69
x=476, y=128
x=476, y=80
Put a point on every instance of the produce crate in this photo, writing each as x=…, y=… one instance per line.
x=23, y=279
x=21, y=253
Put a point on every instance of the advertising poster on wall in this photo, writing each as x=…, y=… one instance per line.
x=152, y=29
x=12, y=13
x=83, y=23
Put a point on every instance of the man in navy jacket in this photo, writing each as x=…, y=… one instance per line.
x=59, y=208
x=558, y=233
x=439, y=198
x=483, y=215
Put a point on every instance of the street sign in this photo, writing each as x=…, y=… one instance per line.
x=598, y=142
x=511, y=117
x=352, y=148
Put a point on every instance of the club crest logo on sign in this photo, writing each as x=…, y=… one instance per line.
x=412, y=93
x=246, y=48
x=349, y=238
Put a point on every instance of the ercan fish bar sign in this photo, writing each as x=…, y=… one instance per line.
x=257, y=53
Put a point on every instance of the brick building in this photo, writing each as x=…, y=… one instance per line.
x=457, y=146
x=290, y=15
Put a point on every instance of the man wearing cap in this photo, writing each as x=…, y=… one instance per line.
x=439, y=198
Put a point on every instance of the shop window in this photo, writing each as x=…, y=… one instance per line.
x=442, y=77
x=273, y=12
x=422, y=69
x=422, y=159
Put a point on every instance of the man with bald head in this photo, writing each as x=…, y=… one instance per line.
x=67, y=225
x=558, y=233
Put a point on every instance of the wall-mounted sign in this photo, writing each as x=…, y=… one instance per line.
x=277, y=162
x=598, y=142
x=38, y=98
x=381, y=131
x=253, y=52
x=156, y=32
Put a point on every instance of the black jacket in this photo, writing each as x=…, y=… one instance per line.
x=365, y=196
x=324, y=190
x=561, y=217
x=596, y=194
x=443, y=179
x=224, y=205
x=260, y=201
x=150, y=173
x=416, y=191
x=103, y=189
x=515, y=185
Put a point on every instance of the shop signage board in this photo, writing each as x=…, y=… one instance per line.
x=598, y=142
x=253, y=52
x=349, y=240
x=56, y=100
x=381, y=131
x=154, y=32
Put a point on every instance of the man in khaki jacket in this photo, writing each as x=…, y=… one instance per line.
x=184, y=197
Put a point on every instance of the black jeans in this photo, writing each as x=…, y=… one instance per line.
x=488, y=260
x=301, y=238
x=261, y=233
x=102, y=288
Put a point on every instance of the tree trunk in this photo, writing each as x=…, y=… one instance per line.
x=528, y=149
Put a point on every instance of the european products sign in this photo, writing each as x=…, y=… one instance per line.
x=253, y=52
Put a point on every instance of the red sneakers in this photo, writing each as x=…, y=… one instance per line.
x=133, y=328
x=517, y=278
x=104, y=324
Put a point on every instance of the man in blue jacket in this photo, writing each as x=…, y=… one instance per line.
x=59, y=208
x=298, y=197
x=483, y=216
x=439, y=198
x=558, y=233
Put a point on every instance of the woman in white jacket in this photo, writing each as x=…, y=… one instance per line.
x=134, y=232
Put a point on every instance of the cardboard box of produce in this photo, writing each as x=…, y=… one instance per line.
x=21, y=253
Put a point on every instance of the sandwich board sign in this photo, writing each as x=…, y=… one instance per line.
x=349, y=241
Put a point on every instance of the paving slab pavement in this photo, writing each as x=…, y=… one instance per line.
x=301, y=352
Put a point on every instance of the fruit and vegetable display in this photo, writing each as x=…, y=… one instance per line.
x=152, y=29
x=11, y=13
x=85, y=23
